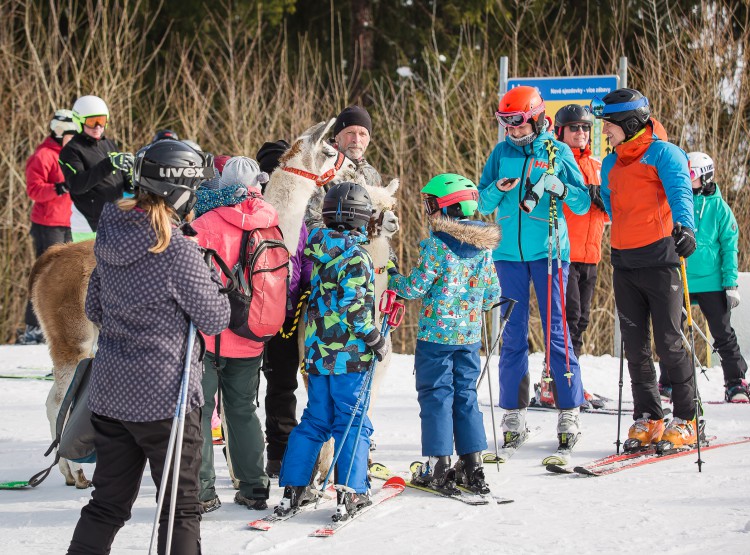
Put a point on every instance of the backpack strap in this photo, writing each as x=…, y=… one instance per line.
x=243, y=262
x=80, y=373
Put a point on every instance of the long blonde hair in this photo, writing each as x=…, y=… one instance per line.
x=162, y=216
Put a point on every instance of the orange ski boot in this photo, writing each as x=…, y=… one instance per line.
x=643, y=433
x=681, y=433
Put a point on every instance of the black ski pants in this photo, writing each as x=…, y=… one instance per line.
x=122, y=449
x=44, y=236
x=713, y=305
x=654, y=296
x=281, y=366
x=578, y=295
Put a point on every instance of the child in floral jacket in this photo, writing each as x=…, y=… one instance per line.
x=456, y=280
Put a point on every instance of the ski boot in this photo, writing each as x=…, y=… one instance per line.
x=543, y=396
x=643, y=433
x=436, y=473
x=737, y=392
x=514, y=428
x=592, y=401
x=294, y=498
x=348, y=503
x=680, y=434
x=470, y=473
x=568, y=428
x=31, y=335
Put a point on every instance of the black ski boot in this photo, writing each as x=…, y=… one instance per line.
x=436, y=473
x=294, y=498
x=349, y=503
x=470, y=473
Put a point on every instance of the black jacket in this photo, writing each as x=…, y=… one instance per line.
x=90, y=176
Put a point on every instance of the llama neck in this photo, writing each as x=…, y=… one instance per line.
x=289, y=195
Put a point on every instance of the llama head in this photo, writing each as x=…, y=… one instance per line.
x=384, y=221
x=313, y=154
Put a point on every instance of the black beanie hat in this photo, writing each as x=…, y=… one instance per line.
x=269, y=154
x=352, y=115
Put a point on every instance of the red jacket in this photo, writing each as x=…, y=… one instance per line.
x=42, y=172
x=221, y=229
x=585, y=232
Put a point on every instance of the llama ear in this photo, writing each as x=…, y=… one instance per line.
x=319, y=131
x=393, y=186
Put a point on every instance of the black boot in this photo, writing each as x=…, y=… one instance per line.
x=470, y=473
x=437, y=473
x=294, y=497
x=349, y=503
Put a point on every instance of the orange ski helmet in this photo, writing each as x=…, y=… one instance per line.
x=521, y=105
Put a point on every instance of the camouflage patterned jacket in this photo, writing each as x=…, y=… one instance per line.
x=456, y=279
x=341, y=310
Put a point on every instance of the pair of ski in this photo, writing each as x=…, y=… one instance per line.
x=634, y=459
x=559, y=457
x=462, y=494
x=392, y=487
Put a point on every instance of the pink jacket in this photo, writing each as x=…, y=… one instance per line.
x=221, y=229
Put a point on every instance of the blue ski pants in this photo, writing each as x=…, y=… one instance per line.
x=447, y=393
x=330, y=402
x=515, y=278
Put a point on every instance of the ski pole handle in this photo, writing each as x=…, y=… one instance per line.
x=396, y=314
x=387, y=300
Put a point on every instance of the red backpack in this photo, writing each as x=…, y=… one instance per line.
x=262, y=276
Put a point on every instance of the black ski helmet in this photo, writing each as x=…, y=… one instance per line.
x=172, y=170
x=627, y=108
x=347, y=204
x=572, y=113
x=165, y=134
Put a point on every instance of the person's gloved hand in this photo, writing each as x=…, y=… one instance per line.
x=596, y=197
x=684, y=240
x=123, y=161
x=733, y=297
x=532, y=195
x=379, y=346
x=61, y=188
x=554, y=186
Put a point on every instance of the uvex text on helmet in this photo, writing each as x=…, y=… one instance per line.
x=570, y=114
x=172, y=170
x=347, y=205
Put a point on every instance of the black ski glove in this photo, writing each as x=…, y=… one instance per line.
x=379, y=346
x=123, y=161
x=684, y=240
x=596, y=197
x=61, y=188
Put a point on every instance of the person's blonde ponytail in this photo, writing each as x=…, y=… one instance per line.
x=161, y=215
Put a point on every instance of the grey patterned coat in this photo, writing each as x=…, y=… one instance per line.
x=143, y=303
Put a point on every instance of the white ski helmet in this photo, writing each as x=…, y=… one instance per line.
x=62, y=123
x=88, y=106
x=701, y=166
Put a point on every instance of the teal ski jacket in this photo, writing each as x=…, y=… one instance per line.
x=525, y=236
x=713, y=265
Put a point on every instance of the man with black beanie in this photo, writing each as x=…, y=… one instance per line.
x=352, y=132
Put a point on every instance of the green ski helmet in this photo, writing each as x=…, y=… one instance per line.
x=454, y=194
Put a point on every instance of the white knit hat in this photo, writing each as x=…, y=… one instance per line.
x=241, y=170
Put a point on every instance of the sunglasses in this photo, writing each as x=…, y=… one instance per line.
x=580, y=127
x=517, y=119
x=93, y=121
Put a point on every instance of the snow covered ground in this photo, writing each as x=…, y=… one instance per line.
x=667, y=507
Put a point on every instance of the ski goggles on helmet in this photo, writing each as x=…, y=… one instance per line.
x=600, y=109
x=517, y=119
x=93, y=121
x=434, y=204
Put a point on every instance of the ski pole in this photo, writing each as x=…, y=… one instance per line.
x=697, y=398
x=714, y=350
x=560, y=280
x=174, y=446
x=395, y=315
x=695, y=357
x=547, y=372
x=387, y=301
x=489, y=386
x=619, y=399
x=503, y=321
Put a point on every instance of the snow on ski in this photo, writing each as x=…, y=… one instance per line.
x=266, y=523
x=650, y=457
x=392, y=487
x=504, y=454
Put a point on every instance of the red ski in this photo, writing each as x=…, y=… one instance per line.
x=648, y=457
